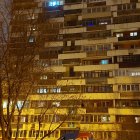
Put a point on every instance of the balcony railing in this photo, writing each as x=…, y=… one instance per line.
x=97, y=53
x=128, y=38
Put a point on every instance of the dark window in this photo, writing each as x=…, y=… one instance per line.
x=72, y=73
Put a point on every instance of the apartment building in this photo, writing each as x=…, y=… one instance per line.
x=91, y=53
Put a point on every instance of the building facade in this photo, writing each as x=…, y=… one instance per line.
x=91, y=53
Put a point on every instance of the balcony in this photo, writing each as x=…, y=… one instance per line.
x=49, y=69
x=72, y=30
x=73, y=12
x=47, y=82
x=97, y=110
x=72, y=1
x=95, y=88
x=128, y=12
x=77, y=96
x=97, y=53
x=128, y=38
x=122, y=52
x=134, y=127
x=75, y=6
x=114, y=2
x=72, y=49
x=96, y=27
x=124, y=80
x=96, y=67
x=60, y=111
x=24, y=112
x=57, y=69
x=93, y=80
x=96, y=15
x=71, y=82
x=124, y=111
x=97, y=34
x=117, y=25
x=129, y=95
x=129, y=64
x=25, y=5
x=98, y=41
x=72, y=56
x=53, y=44
x=100, y=127
x=70, y=125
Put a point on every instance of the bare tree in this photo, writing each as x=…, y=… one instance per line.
x=16, y=79
x=20, y=74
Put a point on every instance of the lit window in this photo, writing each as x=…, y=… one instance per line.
x=31, y=39
x=103, y=23
x=61, y=2
x=32, y=28
x=135, y=73
x=137, y=119
x=56, y=90
x=56, y=3
x=119, y=34
x=44, y=77
x=103, y=62
x=56, y=104
x=133, y=34
x=105, y=118
x=23, y=119
x=5, y=104
x=41, y=104
x=42, y=90
x=33, y=16
x=20, y=104
x=50, y=3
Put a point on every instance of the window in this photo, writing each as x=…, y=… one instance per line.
x=41, y=104
x=42, y=90
x=97, y=9
x=120, y=72
x=119, y=34
x=103, y=22
x=124, y=87
x=135, y=73
x=89, y=48
x=128, y=58
x=5, y=104
x=72, y=111
x=20, y=104
x=88, y=23
x=44, y=77
x=23, y=118
x=103, y=47
x=31, y=39
x=127, y=88
x=133, y=34
x=137, y=119
x=55, y=3
x=56, y=90
x=103, y=62
x=127, y=6
x=105, y=118
x=56, y=104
